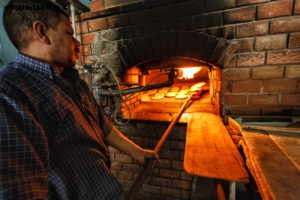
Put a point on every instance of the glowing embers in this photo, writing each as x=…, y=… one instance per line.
x=188, y=72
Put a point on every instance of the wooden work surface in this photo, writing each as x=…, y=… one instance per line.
x=210, y=151
x=273, y=158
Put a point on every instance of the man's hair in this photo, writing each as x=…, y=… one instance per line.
x=19, y=16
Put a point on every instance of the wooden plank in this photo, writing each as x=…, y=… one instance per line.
x=287, y=139
x=209, y=150
x=289, y=144
x=276, y=176
x=272, y=129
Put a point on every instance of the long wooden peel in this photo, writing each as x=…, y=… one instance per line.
x=151, y=162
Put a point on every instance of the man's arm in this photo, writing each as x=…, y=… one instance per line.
x=116, y=139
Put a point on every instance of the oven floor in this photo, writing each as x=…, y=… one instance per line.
x=164, y=109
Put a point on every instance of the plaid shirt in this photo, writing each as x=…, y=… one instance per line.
x=51, y=138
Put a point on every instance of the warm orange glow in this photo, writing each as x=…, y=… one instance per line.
x=188, y=73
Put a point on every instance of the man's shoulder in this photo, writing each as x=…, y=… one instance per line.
x=12, y=71
x=9, y=68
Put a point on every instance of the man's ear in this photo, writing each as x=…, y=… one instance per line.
x=39, y=31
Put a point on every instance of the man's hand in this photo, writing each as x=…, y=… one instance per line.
x=143, y=154
x=116, y=139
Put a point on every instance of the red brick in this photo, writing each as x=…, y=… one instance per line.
x=185, y=176
x=246, y=2
x=274, y=9
x=263, y=99
x=178, y=165
x=292, y=71
x=217, y=85
x=251, y=59
x=118, y=20
x=236, y=74
x=78, y=29
x=280, y=85
x=270, y=42
x=285, y=25
x=232, y=62
x=171, y=192
x=162, y=181
x=267, y=72
x=151, y=188
x=115, y=166
x=110, y=3
x=168, y=154
x=283, y=57
x=235, y=99
x=177, y=145
x=239, y=15
x=215, y=73
x=131, y=167
x=252, y=29
x=297, y=7
x=249, y=110
x=97, y=24
x=290, y=99
x=88, y=38
x=83, y=27
x=123, y=158
x=165, y=162
x=112, y=157
x=248, y=86
x=96, y=5
x=271, y=110
x=185, y=194
x=168, y=173
x=124, y=175
x=182, y=184
x=245, y=45
x=90, y=15
x=294, y=40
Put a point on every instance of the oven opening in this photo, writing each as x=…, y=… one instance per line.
x=160, y=104
x=155, y=90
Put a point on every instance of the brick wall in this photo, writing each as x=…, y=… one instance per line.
x=259, y=73
x=261, y=79
x=167, y=180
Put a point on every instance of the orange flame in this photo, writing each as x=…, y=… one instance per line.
x=189, y=72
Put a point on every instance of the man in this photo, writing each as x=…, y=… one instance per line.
x=53, y=135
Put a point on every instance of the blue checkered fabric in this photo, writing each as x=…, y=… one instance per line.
x=51, y=138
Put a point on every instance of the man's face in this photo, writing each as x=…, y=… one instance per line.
x=64, y=48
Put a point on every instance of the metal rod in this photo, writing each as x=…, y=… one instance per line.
x=151, y=162
x=169, y=82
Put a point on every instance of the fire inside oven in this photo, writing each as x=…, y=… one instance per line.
x=153, y=94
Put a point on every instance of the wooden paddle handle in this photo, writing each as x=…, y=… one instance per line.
x=151, y=162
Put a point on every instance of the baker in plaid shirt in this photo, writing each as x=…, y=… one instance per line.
x=53, y=135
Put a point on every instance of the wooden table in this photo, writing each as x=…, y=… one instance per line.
x=273, y=158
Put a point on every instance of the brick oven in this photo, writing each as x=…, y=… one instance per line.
x=248, y=51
